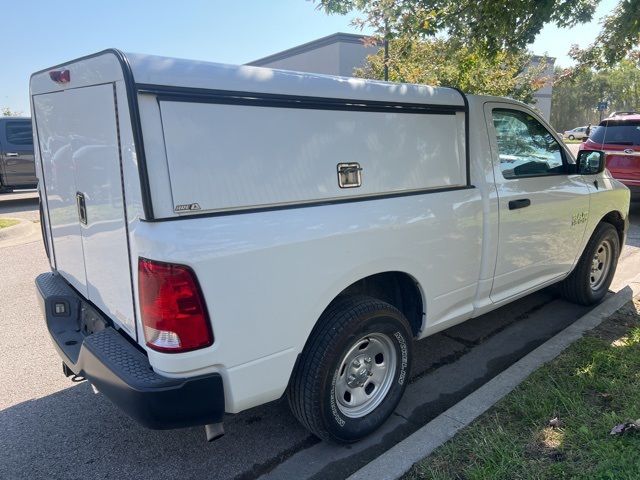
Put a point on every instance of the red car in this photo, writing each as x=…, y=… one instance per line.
x=619, y=137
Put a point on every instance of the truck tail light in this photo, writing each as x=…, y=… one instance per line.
x=174, y=315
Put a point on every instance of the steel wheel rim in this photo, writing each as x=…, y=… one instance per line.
x=600, y=265
x=365, y=375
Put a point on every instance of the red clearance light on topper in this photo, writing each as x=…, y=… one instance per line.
x=60, y=76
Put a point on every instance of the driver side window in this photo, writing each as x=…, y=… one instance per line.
x=525, y=147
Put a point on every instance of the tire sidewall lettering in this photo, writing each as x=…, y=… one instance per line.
x=404, y=357
x=333, y=405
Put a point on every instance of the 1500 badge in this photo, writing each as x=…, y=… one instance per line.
x=578, y=218
x=187, y=207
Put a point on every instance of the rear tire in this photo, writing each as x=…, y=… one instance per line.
x=353, y=370
x=592, y=276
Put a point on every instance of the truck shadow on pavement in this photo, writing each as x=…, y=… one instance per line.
x=75, y=433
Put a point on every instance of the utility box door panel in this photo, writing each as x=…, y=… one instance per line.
x=224, y=157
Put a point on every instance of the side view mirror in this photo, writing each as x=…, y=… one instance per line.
x=590, y=162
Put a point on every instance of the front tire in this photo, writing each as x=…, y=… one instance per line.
x=592, y=276
x=571, y=137
x=353, y=370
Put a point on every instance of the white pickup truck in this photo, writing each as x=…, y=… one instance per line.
x=221, y=236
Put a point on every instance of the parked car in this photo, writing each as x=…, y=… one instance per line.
x=250, y=233
x=17, y=166
x=619, y=138
x=623, y=113
x=578, y=133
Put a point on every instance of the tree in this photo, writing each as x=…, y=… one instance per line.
x=7, y=112
x=576, y=96
x=492, y=26
x=620, y=34
x=449, y=62
x=574, y=100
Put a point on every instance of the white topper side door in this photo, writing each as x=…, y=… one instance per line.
x=542, y=208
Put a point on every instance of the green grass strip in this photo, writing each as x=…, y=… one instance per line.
x=8, y=222
x=591, y=387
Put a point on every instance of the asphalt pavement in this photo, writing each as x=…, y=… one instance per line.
x=54, y=428
x=20, y=204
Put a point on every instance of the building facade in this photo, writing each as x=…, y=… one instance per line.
x=341, y=53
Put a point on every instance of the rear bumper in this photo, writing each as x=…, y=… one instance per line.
x=90, y=347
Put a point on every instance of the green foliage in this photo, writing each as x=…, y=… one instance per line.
x=492, y=26
x=7, y=112
x=619, y=35
x=448, y=62
x=575, y=96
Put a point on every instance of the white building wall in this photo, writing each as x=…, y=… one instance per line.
x=354, y=55
x=337, y=54
x=543, y=96
x=324, y=59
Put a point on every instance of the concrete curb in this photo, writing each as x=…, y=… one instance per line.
x=396, y=461
x=22, y=229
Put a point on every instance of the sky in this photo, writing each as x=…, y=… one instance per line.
x=41, y=33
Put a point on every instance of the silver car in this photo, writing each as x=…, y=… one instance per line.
x=578, y=133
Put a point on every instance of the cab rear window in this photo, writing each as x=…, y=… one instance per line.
x=617, y=132
x=19, y=133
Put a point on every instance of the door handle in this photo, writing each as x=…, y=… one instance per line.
x=82, y=208
x=12, y=154
x=520, y=203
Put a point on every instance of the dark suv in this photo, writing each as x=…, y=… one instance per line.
x=619, y=137
x=17, y=165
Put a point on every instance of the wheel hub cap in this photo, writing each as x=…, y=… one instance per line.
x=600, y=265
x=359, y=371
x=365, y=374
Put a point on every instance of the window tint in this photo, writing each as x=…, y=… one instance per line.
x=525, y=147
x=620, y=132
x=19, y=133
